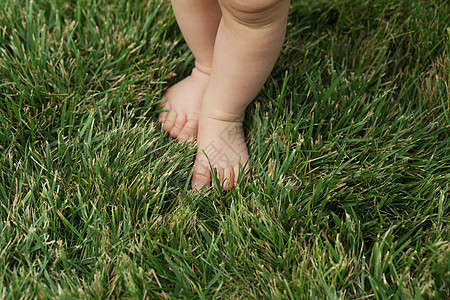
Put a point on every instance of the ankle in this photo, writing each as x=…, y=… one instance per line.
x=212, y=113
x=204, y=69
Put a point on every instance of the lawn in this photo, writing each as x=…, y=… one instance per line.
x=347, y=195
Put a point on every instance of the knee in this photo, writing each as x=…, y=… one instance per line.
x=256, y=13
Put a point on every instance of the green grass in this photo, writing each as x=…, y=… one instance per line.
x=348, y=191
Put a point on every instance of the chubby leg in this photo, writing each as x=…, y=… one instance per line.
x=249, y=39
x=199, y=22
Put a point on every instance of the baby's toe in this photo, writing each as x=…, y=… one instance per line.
x=201, y=177
x=179, y=124
x=163, y=115
x=227, y=179
x=169, y=123
x=189, y=131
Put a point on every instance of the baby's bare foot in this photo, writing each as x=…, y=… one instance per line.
x=221, y=145
x=183, y=102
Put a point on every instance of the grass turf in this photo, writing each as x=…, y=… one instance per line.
x=349, y=139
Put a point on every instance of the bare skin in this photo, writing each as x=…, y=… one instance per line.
x=183, y=102
x=246, y=45
x=221, y=147
x=198, y=21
